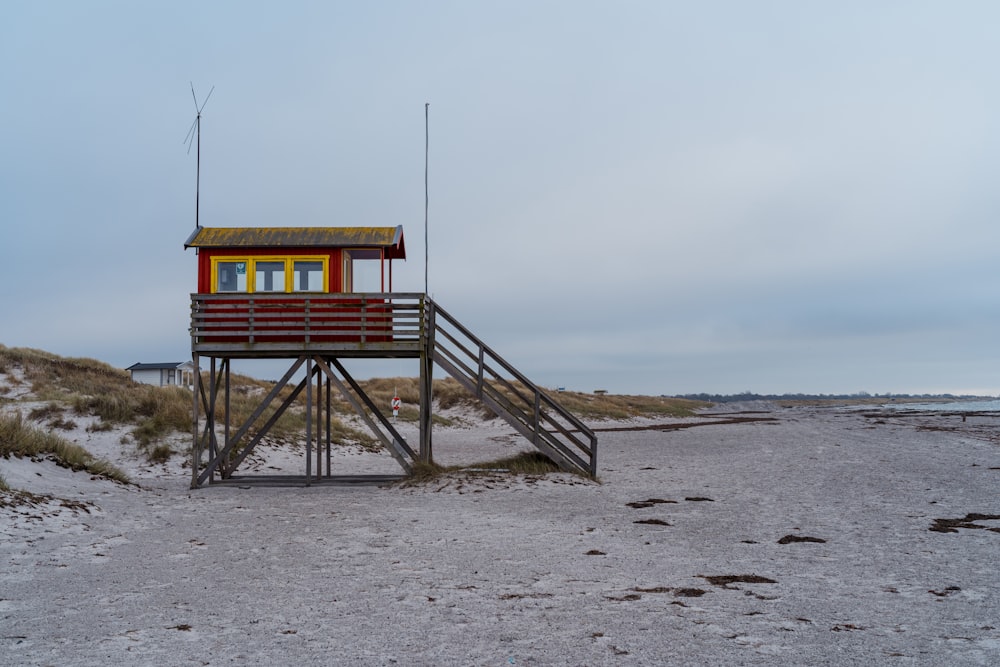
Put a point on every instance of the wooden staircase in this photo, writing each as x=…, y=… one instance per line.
x=550, y=427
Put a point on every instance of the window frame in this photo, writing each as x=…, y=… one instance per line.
x=216, y=261
x=269, y=260
x=287, y=260
x=324, y=262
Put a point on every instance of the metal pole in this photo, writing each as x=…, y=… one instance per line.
x=427, y=145
x=197, y=183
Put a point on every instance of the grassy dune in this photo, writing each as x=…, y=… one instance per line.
x=75, y=387
x=21, y=439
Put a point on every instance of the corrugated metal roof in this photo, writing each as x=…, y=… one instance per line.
x=390, y=238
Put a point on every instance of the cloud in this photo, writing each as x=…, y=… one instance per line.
x=649, y=198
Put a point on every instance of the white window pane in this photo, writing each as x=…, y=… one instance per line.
x=367, y=275
x=232, y=277
x=309, y=277
x=269, y=277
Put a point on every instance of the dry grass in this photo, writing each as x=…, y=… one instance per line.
x=245, y=399
x=525, y=463
x=160, y=453
x=623, y=406
x=95, y=388
x=58, y=378
x=20, y=439
x=448, y=393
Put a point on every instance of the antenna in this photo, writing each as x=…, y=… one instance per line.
x=427, y=145
x=194, y=134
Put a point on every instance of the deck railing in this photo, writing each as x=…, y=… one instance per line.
x=389, y=322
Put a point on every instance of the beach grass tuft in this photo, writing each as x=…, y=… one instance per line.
x=21, y=439
x=523, y=464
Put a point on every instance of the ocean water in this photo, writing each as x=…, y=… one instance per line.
x=992, y=405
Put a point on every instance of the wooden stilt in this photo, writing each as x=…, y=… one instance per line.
x=213, y=392
x=329, y=421
x=309, y=368
x=426, y=382
x=224, y=467
x=319, y=426
x=196, y=444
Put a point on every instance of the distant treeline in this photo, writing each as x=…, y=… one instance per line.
x=750, y=396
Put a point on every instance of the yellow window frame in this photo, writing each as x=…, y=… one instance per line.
x=289, y=262
x=290, y=272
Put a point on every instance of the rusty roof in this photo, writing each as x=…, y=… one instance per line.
x=388, y=238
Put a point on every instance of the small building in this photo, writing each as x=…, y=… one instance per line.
x=270, y=290
x=163, y=374
x=296, y=260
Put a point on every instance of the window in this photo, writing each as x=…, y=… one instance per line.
x=367, y=275
x=308, y=276
x=363, y=270
x=269, y=274
x=232, y=277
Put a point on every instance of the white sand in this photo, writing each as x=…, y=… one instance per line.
x=499, y=571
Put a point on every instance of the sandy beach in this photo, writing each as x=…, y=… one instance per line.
x=771, y=536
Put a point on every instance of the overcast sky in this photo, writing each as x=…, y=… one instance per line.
x=644, y=197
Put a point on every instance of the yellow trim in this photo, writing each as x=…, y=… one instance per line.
x=227, y=260
x=252, y=271
x=289, y=262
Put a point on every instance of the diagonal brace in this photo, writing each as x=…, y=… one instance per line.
x=249, y=422
x=396, y=445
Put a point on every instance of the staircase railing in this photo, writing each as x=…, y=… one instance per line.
x=554, y=430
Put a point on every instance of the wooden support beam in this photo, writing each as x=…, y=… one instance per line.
x=329, y=417
x=225, y=435
x=213, y=394
x=319, y=426
x=272, y=420
x=195, y=444
x=308, y=381
x=426, y=382
x=208, y=399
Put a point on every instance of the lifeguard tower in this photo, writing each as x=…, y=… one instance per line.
x=293, y=293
